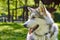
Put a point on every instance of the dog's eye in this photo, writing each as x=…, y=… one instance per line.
x=33, y=17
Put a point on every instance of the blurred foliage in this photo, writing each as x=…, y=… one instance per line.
x=4, y=7
x=57, y=17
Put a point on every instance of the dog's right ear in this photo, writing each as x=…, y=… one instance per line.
x=41, y=7
x=30, y=9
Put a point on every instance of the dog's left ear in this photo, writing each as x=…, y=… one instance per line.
x=30, y=9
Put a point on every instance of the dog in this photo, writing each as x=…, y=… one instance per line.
x=34, y=20
x=46, y=29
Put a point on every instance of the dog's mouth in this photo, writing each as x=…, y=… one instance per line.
x=33, y=29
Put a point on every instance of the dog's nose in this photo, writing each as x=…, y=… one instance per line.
x=25, y=25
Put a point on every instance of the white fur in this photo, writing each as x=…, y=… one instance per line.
x=40, y=31
x=54, y=36
x=48, y=18
x=43, y=27
x=50, y=21
x=30, y=36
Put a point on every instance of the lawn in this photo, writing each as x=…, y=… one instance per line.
x=14, y=31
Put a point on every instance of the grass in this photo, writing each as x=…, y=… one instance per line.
x=14, y=31
x=59, y=31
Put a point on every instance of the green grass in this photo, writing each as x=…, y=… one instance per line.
x=59, y=31
x=12, y=31
x=15, y=31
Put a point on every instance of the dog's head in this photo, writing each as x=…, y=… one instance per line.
x=34, y=14
x=35, y=18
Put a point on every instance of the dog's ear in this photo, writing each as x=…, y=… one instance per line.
x=30, y=9
x=41, y=7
